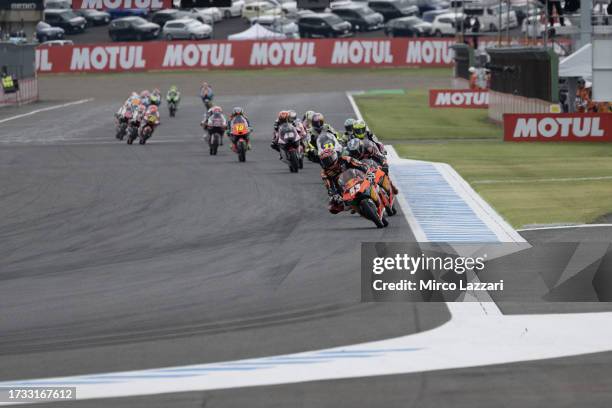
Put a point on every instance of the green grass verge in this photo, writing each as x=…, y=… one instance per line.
x=527, y=183
x=530, y=183
x=408, y=117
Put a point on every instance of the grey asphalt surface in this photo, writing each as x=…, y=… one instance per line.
x=157, y=250
x=119, y=257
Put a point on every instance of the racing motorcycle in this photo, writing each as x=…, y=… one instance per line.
x=132, y=132
x=172, y=108
x=215, y=125
x=363, y=196
x=122, y=125
x=147, y=129
x=239, y=131
x=383, y=181
x=290, y=147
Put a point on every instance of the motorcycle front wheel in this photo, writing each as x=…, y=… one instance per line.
x=367, y=209
x=241, y=151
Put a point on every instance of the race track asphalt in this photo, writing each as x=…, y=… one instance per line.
x=169, y=256
x=119, y=257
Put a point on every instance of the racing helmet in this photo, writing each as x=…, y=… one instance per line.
x=348, y=125
x=328, y=157
x=144, y=94
x=359, y=129
x=283, y=116
x=173, y=88
x=318, y=121
x=216, y=109
x=292, y=116
x=237, y=111
x=152, y=109
x=355, y=148
x=308, y=116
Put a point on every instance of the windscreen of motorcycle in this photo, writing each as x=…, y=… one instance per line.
x=287, y=134
x=350, y=174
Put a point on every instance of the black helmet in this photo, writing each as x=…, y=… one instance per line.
x=355, y=147
x=318, y=121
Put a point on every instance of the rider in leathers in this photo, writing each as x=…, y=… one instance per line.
x=332, y=166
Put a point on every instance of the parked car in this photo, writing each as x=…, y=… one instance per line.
x=46, y=32
x=186, y=29
x=94, y=17
x=279, y=24
x=391, y=9
x=58, y=4
x=66, y=19
x=429, y=16
x=445, y=24
x=162, y=16
x=212, y=13
x=235, y=10
x=430, y=5
x=121, y=12
x=288, y=6
x=489, y=16
x=408, y=27
x=324, y=25
x=132, y=28
x=57, y=43
x=361, y=17
x=260, y=8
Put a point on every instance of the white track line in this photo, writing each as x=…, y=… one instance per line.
x=23, y=115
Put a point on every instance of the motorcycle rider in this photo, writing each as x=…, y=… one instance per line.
x=348, y=129
x=173, y=95
x=307, y=119
x=332, y=166
x=366, y=149
x=361, y=131
x=206, y=93
x=145, y=98
x=318, y=128
x=150, y=118
x=238, y=113
x=155, y=97
x=283, y=117
x=214, y=112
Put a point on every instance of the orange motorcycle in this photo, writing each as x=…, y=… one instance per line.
x=384, y=183
x=361, y=193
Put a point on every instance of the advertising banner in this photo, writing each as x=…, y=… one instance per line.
x=458, y=98
x=560, y=127
x=164, y=55
x=21, y=5
x=122, y=4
